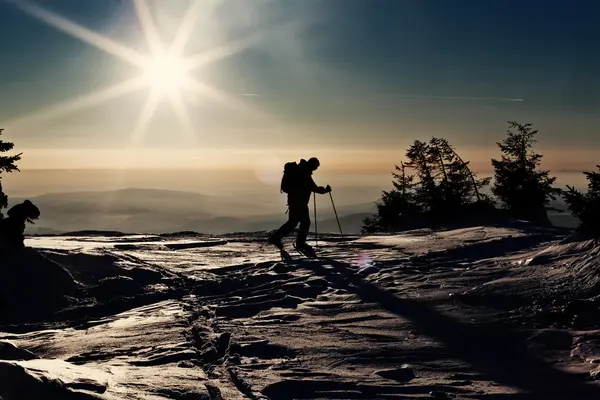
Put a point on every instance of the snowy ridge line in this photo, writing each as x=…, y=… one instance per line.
x=486, y=248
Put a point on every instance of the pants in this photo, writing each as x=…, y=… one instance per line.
x=296, y=214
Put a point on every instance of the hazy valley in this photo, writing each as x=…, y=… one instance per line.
x=156, y=211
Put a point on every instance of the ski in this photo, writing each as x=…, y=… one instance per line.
x=286, y=257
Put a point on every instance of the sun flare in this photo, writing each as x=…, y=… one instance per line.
x=167, y=70
x=165, y=74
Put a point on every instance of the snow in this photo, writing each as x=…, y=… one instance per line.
x=462, y=312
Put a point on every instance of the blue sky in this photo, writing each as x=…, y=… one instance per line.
x=346, y=73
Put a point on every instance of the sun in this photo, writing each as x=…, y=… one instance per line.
x=166, y=74
x=166, y=69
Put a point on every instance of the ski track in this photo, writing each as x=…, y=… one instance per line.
x=452, y=314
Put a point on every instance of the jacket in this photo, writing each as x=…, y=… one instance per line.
x=305, y=186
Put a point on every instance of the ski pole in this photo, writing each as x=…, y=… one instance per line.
x=336, y=215
x=316, y=230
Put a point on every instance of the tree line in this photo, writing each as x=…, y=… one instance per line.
x=436, y=186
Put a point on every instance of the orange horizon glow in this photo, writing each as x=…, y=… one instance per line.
x=365, y=161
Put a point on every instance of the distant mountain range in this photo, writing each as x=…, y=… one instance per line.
x=158, y=211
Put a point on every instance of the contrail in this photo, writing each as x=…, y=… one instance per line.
x=408, y=96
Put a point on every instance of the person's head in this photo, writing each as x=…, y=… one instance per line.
x=313, y=163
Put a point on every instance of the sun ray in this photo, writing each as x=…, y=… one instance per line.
x=79, y=32
x=186, y=28
x=182, y=113
x=232, y=47
x=223, y=98
x=217, y=53
x=145, y=17
x=145, y=116
x=79, y=103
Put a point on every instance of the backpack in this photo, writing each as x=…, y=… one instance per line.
x=290, y=177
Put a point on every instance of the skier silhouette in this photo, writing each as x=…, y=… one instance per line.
x=299, y=185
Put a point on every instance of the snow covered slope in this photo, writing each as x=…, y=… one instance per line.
x=480, y=312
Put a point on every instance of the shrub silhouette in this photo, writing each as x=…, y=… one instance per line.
x=7, y=164
x=522, y=188
x=435, y=186
x=586, y=207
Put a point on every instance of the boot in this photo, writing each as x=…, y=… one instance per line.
x=306, y=249
x=275, y=241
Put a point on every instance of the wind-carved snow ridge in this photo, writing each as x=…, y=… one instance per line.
x=460, y=313
x=580, y=262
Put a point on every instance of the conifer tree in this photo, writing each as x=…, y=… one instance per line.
x=458, y=185
x=586, y=207
x=427, y=195
x=461, y=167
x=522, y=188
x=437, y=157
x=396, y=206
x=7, y=165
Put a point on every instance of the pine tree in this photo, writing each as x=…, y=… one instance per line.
x=447, y=185
x=477, y=184
x=7, y=165
x=443, y=196
x=396, y=206
x=586, y=207
x=458, y=186
x=404, y=182
x=523, y=189
x=427, y=194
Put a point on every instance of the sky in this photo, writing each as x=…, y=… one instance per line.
x=353, y=82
